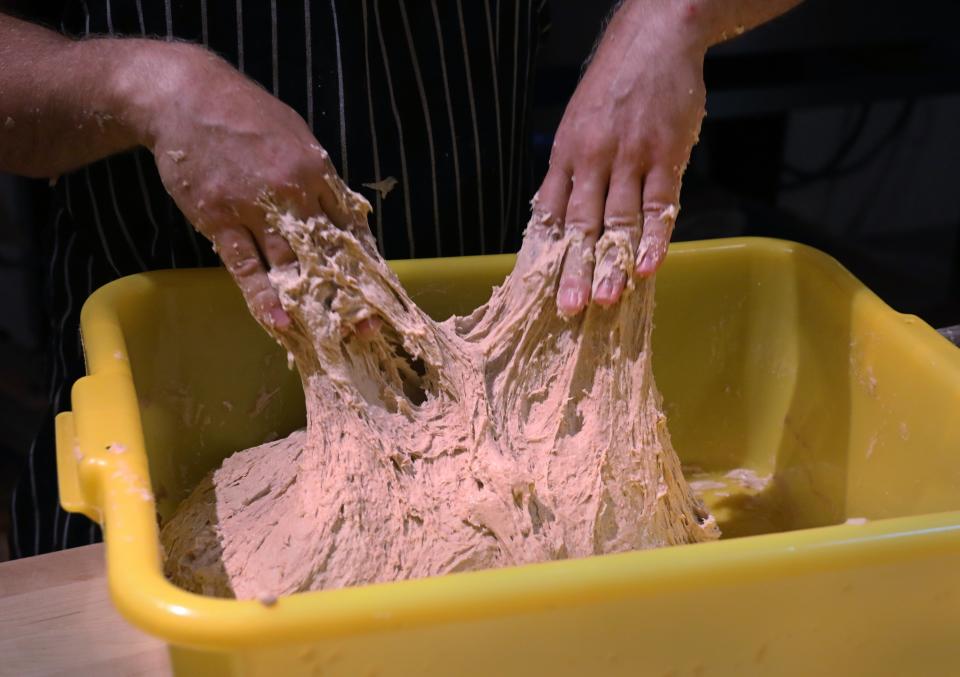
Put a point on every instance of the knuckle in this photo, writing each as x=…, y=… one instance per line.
x=657, y=195
x=305, y=166
x=660, y=212
x=281, y=176
x=596, y=150
x=582, y=225
x=581, y=144
x=669, y=147
x=286, y=191
x=216, y=191
x=302, y=166
x=221, y=210
x=245, y=266
x=632, y=157
x=645, y=146
x=620, y=219
x=559, y=161
x=263, y=299
x=551, y=193
x=279, y=252
x=211, y=220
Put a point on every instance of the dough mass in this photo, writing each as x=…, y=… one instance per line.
x=504, y=437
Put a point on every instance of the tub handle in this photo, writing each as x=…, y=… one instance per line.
x=100, y=444
x=69, y=459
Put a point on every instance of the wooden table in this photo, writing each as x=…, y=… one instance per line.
x=56, y=618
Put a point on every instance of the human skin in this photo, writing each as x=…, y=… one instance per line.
x=627, y=132
x=220, y=141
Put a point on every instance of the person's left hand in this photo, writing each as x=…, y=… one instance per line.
x=620, y=152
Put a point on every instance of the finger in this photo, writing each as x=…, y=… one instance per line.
x=330, y=189
x=312, y=187
x=661, y=193
x=368, y=327
x=621, y=214
x=238, y=250
x=550, y=202
x=583, y=216
x=274, y=247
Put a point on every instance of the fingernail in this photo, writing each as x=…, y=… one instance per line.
x=368, y=328
x=604, y=290
x=646, y=265
x=580, y=298
x=279, y=318
x=572, y=300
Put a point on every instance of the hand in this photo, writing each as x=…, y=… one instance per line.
x=620, y=152
x=222, y=144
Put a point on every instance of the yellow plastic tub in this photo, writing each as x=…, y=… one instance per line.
x=771, y=358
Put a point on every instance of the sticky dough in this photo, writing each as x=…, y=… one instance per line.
x=508, y=436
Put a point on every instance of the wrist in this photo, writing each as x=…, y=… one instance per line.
x=645, y=29
x=710, y=22
x=703, y=20
x=147, y=82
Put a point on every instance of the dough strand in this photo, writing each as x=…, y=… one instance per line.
x=508, y=436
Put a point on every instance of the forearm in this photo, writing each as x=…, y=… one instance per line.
x=696, y=24
x=65, y=103
x=221, y=143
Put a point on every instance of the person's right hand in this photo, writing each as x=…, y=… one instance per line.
x=222, y=143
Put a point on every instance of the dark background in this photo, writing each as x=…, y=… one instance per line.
x=837, y=125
